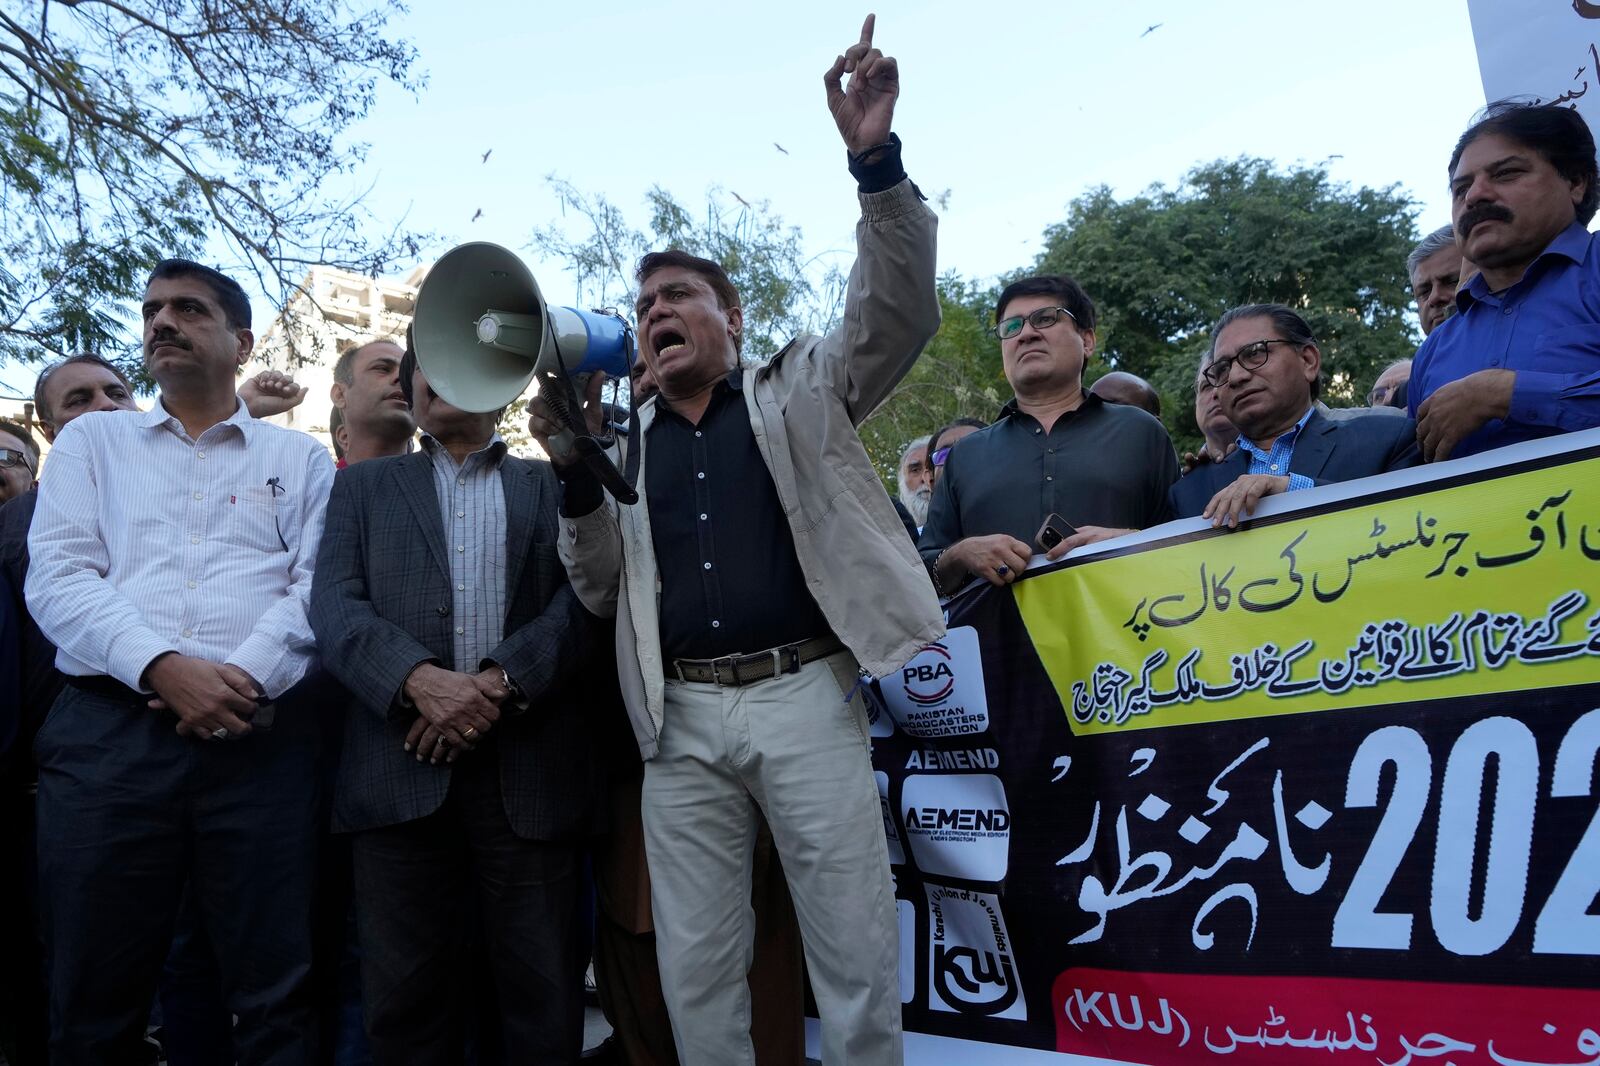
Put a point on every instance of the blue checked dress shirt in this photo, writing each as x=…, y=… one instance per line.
x=1276, y=461
x=472, y=502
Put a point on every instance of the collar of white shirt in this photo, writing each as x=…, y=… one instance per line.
x=158, y=416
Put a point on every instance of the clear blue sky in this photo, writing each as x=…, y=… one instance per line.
x=1014, y=108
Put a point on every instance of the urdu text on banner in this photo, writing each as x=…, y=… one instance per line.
x=1320, y=790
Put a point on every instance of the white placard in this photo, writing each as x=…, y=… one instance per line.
x=1548, y=50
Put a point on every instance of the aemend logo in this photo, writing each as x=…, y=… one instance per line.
x=928, y=683
x=957, y=825
x=968, y=819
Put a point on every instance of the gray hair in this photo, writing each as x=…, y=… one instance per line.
x=920, y=442
x=1431, y=245
x=1289, y=325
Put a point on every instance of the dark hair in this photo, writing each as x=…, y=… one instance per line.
x=22, y=433
x=710, y=270
x=1059, y=286
x=230, y=297
x=1149, y=400
x=1559, y=134
x=344, y=369
x=933, y=441
x=1289, y=325
x=42, y=407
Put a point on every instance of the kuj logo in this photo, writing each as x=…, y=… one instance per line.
x=971, y=967
x=928, y=682
x=940, y=692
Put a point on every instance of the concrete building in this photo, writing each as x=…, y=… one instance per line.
x=337, y=311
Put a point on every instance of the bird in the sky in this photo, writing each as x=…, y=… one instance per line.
x=741, y=199
x=1151, y=30
x=780, y=147
x=477, y=214
x=486, y=156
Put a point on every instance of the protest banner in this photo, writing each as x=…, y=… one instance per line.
x=1321, y=786
x=1543, y=51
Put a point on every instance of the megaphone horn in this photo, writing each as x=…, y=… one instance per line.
x=482, y=331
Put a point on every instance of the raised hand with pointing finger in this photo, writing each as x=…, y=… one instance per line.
x=863, y=109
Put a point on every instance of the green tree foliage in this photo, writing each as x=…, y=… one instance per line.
x=138, y=129
x=783, y=290
x=957, y=376
x=1161, y=266
x=1164, y=265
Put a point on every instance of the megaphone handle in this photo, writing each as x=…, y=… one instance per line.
x=610, y=477
x=561, y=444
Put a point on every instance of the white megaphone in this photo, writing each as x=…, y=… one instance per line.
x=482, y=332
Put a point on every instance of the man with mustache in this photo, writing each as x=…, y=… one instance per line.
x=171, y=559
x=760, y=570
x=1521, y=358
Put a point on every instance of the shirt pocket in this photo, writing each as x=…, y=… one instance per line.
x=1572, y=349
x=257, y=518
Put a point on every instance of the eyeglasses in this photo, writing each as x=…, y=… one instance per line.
x=1379, y=395
x=1251, y=357
x=1043, y=318
x=941, y=455
x=11, y=457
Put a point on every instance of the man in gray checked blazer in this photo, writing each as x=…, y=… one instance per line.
x=468, y=776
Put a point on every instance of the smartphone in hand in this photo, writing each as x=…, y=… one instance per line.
x=1055, y=530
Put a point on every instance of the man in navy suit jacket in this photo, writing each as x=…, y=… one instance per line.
x=1266, y=367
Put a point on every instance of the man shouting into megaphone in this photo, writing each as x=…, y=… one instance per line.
x=761, y=572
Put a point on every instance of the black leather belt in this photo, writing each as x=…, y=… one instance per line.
x=734, y=670
x=107, y=688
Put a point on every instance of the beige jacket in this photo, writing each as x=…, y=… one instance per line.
x=804, y=406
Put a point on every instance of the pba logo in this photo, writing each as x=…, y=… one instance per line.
x=958, y=825
x=971, y=967
x=940, y=692
x=928, y=679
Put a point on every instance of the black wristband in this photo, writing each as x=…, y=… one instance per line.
x=879, y=167
x=581, y=492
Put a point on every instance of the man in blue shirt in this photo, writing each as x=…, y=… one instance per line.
x=1521, y=359
x=1265, y=365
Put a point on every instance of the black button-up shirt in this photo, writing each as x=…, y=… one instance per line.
x=1104, y=464
x=731, y=582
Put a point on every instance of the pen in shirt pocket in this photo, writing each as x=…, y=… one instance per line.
x=274, y=489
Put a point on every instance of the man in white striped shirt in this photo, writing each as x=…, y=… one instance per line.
x=172, y=554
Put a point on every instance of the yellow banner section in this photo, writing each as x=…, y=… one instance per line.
x=1486, y=587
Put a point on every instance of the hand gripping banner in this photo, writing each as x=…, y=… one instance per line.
x=1320, y=790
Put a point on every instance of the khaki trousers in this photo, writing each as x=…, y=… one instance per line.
x=625, y=968
x=794, y=747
